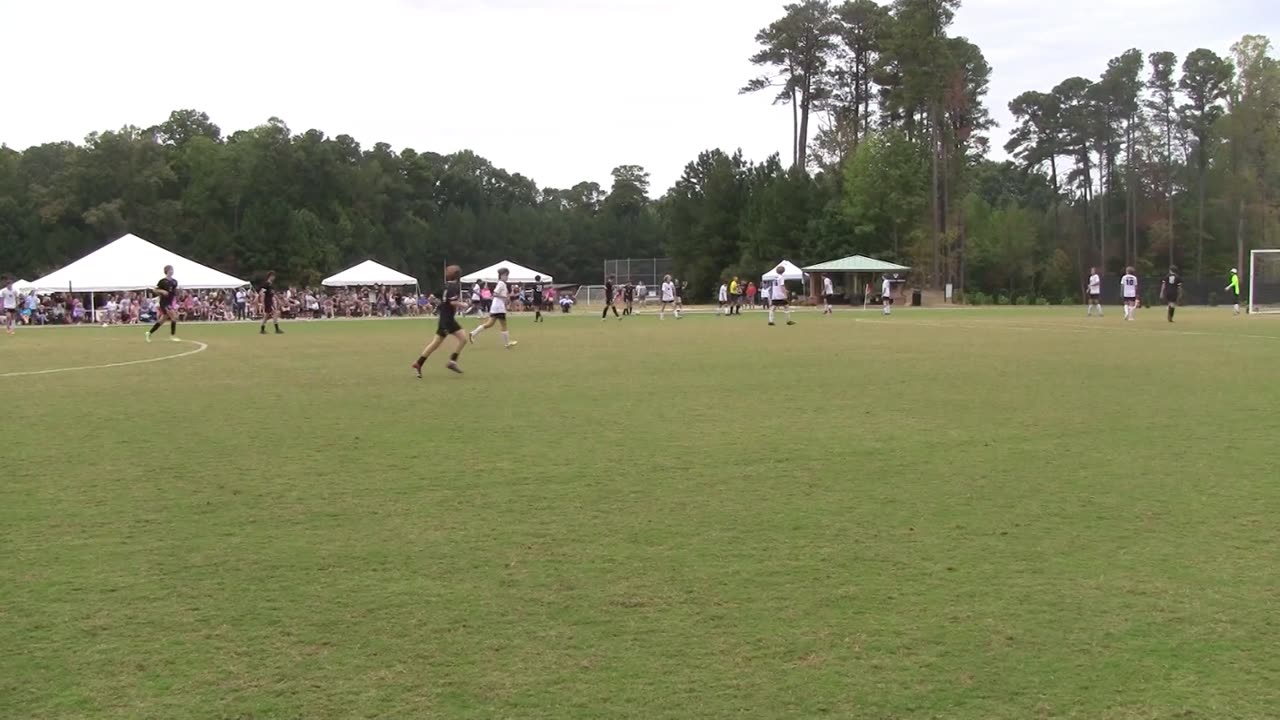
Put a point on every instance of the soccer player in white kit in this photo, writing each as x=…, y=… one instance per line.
x=498, y=310
x=724, y=297
x=828, y=292
x=780, y=298
x=886, y=294
x=9, y=298
x=1129, y=290
x=1095, y=292
x=668, y=298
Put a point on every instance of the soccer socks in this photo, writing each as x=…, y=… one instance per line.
x=156, y=328
x=1237, y=309
x=422, y=360
x=479, y=329
x=770, y=315
x=1171, y=309
x=506, y=338
x=173, y=327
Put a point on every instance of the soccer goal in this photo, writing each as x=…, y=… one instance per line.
x=1264, y=281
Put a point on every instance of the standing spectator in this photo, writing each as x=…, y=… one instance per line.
x=751, y=295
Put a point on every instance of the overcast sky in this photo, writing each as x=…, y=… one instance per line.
x=559, y=90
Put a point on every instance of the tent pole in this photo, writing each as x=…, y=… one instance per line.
x=93, y=311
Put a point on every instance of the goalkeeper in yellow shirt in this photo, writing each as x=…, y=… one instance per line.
x=1233, y=287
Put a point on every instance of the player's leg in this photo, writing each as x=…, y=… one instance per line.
x=173, y=324
x=1235, y=310
x=426, y=352
x=461, y=337
x=488, y=323
x=1172, y=307
x=275, y=319
x=506, y=336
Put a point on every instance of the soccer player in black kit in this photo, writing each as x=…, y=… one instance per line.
x=448, y=325
x=628, y=298
x=535, y=297
x=167, y=289
x=269, y=309
x=1171, y=290
x=608, y=300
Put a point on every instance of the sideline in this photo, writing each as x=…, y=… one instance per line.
x=25, y=373
x=1073, y=328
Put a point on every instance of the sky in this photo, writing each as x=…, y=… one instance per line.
x=558, y=90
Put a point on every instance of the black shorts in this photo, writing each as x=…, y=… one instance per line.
x=830, y=298
x=269, y=307
x=166, y=309
x=781, y=303
x=447, y=327
x=1095, y=296
x=1131, y=301
x=498, y=316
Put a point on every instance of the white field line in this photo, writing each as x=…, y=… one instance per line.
x=201, y=348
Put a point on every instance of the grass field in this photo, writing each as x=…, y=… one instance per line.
x=967, y=514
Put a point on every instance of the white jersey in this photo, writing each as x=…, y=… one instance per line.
x=499, y=302
x=10, y=298
x=886, y=288
x=827, y=288
x=779, y=290
x=724, y=293
x=1095, y=284
x=1129, y=286
x=668, y=292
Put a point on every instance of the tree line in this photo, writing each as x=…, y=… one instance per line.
x=1157, y=159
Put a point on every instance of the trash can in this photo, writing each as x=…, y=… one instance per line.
x=915, y=298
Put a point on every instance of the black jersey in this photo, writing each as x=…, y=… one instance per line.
x=170, y=288
x=628, y=292
x=452, y=292
x=679, y=290
x=535, y=293
x=608, y=292
x=268, y=294
x=1172, y=287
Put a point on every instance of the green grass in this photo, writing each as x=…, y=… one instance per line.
x=971, y=514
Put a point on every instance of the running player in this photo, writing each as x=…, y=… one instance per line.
x=270, y=311
x=780, y=297
x=680, y=286
x=668, y=296
x=1233, y=287
x=535, y=296
x=1095, y=292
x=447, y=326
x=828, y=293
x=628, y=298
x=167, y=290
x=1129, y=291
x=497, y=310
x=609, y=300
x=1171, y=290
x=9, y=299
x=723, y=299
x=886, y=294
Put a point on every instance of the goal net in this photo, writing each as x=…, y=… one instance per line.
x=1264, y=281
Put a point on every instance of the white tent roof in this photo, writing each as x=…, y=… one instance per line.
x=519, y=273
x=22, y=286
x=369, y=273
x=131, y=263
x=790, y=272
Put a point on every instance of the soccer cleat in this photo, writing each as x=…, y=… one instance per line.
x=262, y=330
x=148, y=336
x=417, y=369
x=279, y=331
x=791, y=322
x=471, y=338
x=174, y=339
x=512, y=344
x=454, y=367
x=770, y=324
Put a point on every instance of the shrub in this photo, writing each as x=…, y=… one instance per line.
x=1213, y=298
x=1070, y=300
x=1042, y=301
x=1002, y=299
x=977, y=297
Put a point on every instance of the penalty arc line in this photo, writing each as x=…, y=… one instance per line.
x=25, y=373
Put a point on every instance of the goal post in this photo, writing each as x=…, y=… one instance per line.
x=1264, y=281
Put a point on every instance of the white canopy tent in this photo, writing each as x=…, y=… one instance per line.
x=131, y=263
x=519, y=274
x=23, y=286
x=790, y=271
x=368, y=273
